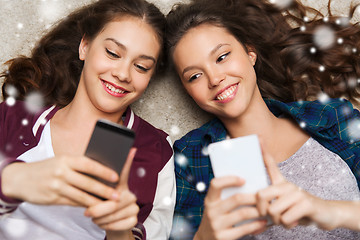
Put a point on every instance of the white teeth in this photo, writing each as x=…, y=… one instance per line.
x=113, y=89
x=226, y=93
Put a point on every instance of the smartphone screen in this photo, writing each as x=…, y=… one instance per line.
x=110, y=144
x=239, y=157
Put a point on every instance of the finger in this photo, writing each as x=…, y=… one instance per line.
x=107, y=207
x=236, y=201
x=126, y=212
x=94, y=168
x=243, y=230
x=295, y=215
x=218, y=184
x=273, y=169
x=239, y=215
x=124, y=176
x=271, y=165
x=72, y=196
x=267, y=195
x=91, y=185
x=120, y=225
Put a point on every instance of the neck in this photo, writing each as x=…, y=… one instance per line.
x=256, y=119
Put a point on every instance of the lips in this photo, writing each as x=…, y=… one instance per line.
x=114, y=90
x=227, y=94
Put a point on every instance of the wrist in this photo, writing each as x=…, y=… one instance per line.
x=8, y=184
x=117, y=235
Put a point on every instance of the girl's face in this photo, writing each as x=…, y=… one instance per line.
x=216, y=70
x=118, y=64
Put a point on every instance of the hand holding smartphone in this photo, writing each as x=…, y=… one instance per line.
x=110, y=144
x=239, y=157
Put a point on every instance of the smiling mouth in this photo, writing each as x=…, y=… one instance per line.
x=114, y=90
x=228, y=93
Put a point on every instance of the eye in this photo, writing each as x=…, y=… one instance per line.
x=111, y=54
x=195, y=76
x=141, y=68
x=222, y=57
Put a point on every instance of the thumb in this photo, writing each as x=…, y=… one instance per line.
x=125, y=172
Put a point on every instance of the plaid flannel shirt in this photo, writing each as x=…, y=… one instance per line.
x=334, y=124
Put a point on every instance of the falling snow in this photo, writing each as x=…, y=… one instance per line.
x=205, y=151
x=324, y=37
x=34, y=102
x=167, y=201
x=180, y=226
x=323, y=97
x=200, y=186
x=10, y=101
x=281, y=4
x=181, y=160
x=141, y=172
x=354, y=130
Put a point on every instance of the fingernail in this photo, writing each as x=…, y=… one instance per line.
x=115, y=195
x=86, y=213
x=114, y=177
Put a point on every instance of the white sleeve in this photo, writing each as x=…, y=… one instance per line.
x=159, y=222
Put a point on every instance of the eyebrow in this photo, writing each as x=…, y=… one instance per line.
x=217, y=47
x=122, y=46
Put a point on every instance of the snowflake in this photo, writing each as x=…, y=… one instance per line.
x=167, y=201
x=312, y=50
x=24, y=122
x=180, y=226
x=34, y=102
x=323, y=97
x=353, y=129
x=200, y=186
x=10, y=101
x=11, y=90
x=175, y=130
x=141, y=172
x=205, y=151
x=281, y=4
x=181, y=160
x=324, y=37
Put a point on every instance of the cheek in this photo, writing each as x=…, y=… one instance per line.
x=140, y=82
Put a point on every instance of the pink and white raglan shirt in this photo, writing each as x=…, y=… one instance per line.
x=26, y=137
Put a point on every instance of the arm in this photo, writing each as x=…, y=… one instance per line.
x=7, y=205
x=294, y=206
x=57, y=181
x=206, y=216
x=118, y=217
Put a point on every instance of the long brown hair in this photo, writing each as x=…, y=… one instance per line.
x=54, y=67
x=290, y=66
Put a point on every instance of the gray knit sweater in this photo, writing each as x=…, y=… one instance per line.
x=321, y=173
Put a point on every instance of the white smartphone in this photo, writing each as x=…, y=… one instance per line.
x=239, y=157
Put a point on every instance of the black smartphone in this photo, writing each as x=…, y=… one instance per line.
x=110, y=144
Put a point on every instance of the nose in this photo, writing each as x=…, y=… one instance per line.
x=215, y=76
x=121, y=71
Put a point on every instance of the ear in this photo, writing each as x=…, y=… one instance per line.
x=252, y=54
x=252, y=57
x=83, y=48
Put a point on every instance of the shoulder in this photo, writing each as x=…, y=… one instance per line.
x=211, y=131
x=152, y=143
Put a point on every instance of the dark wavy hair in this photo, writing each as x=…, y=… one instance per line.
x=54, y=67
x=288, y=66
